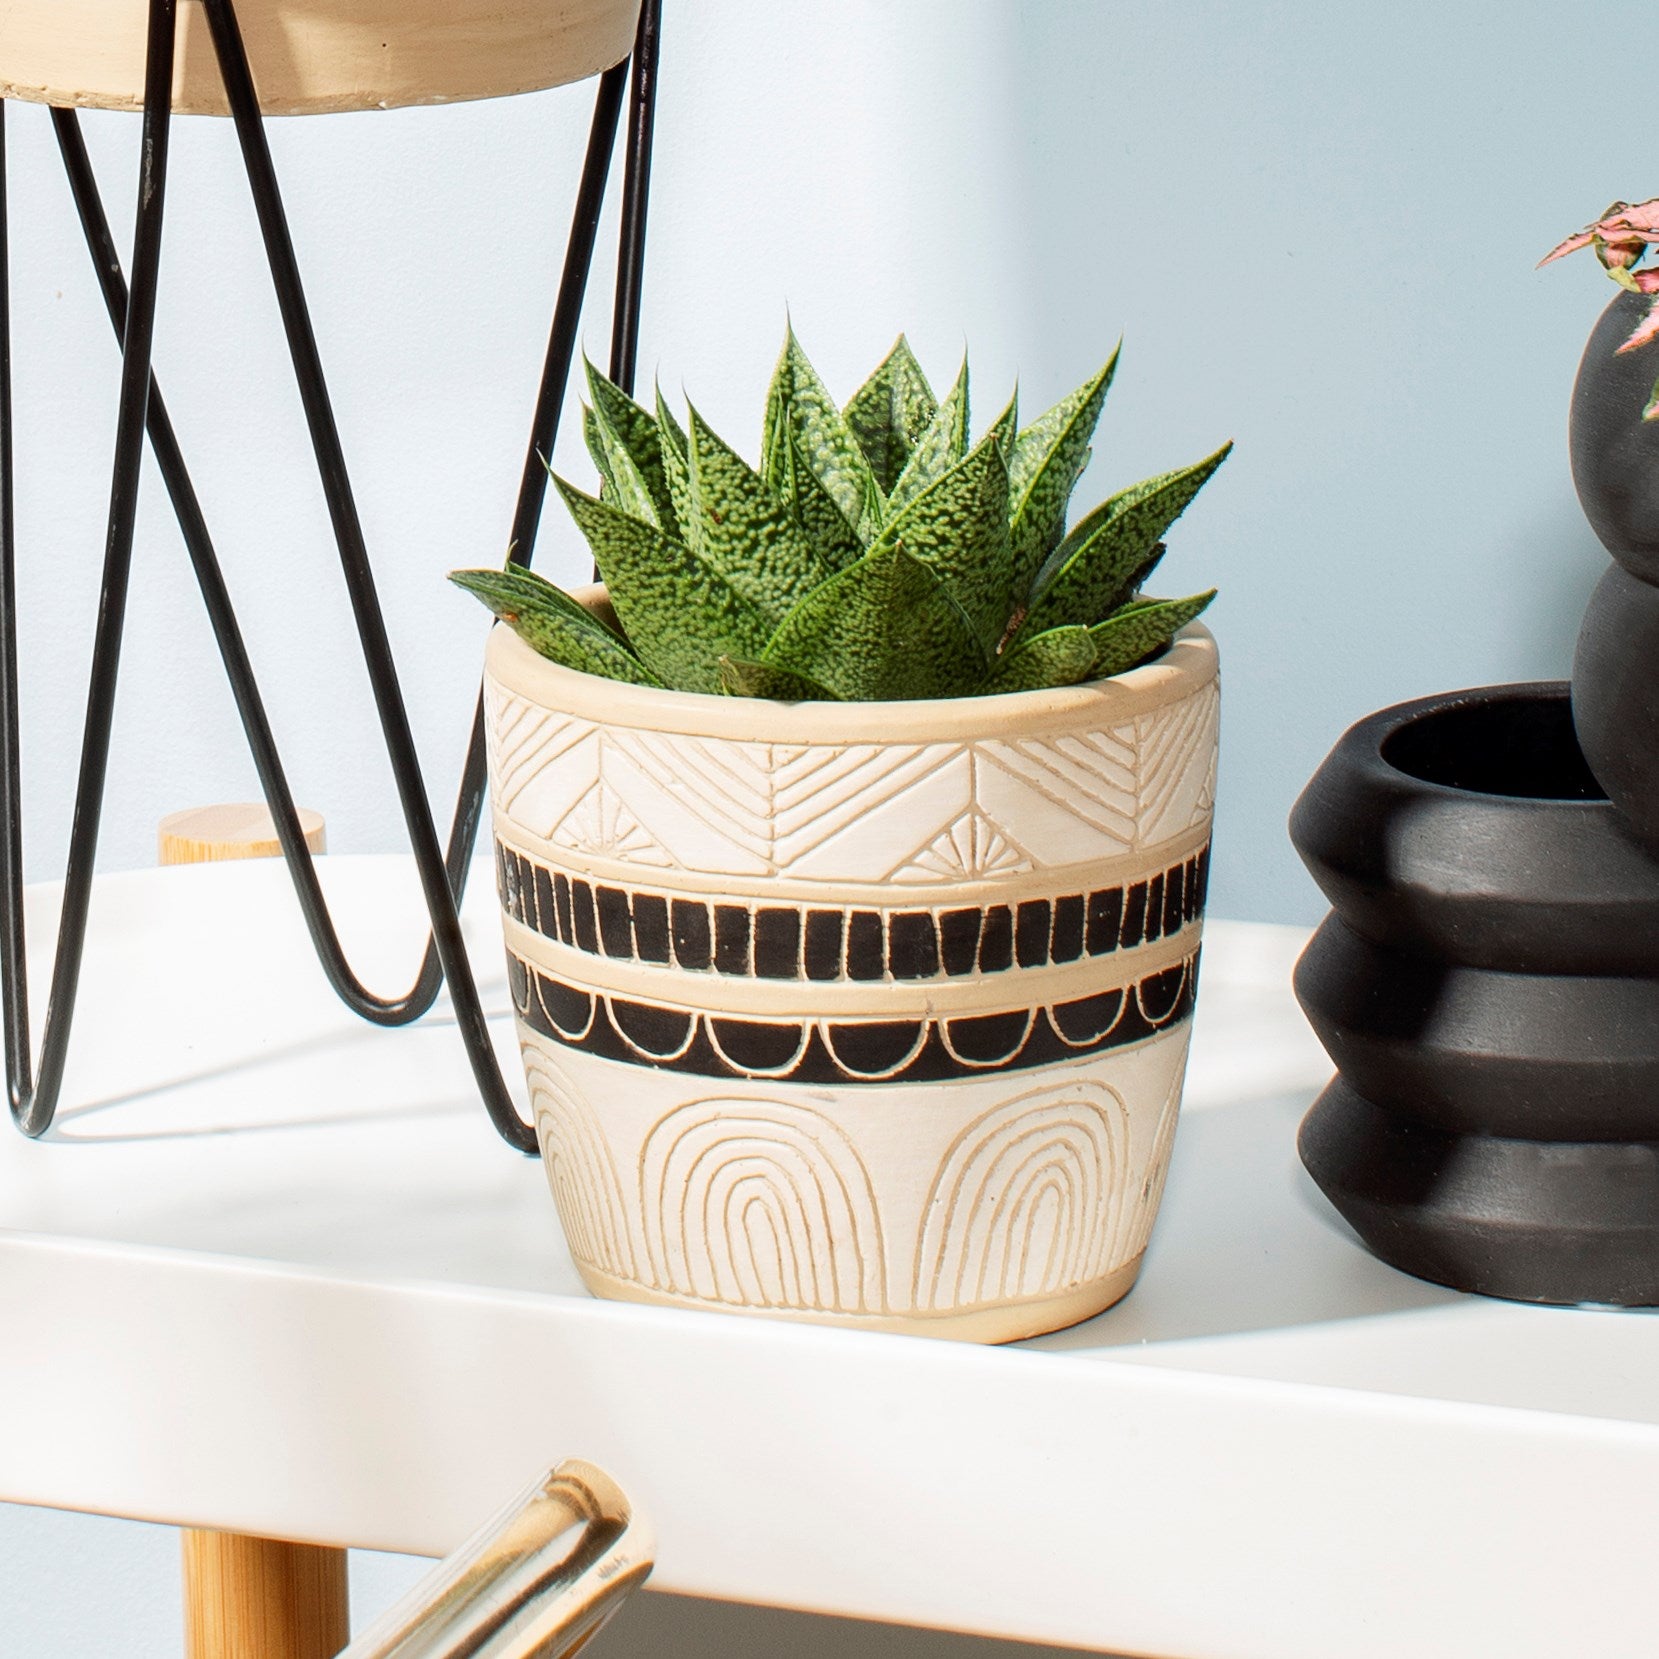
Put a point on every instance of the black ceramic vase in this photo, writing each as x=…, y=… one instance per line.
x=1488, y=982
x=1488, y=986
x=1615, y=456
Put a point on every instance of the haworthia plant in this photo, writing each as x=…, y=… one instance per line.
x=876, y=553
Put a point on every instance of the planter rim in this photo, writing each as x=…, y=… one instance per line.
x=1362, y=746
x=1187, y=666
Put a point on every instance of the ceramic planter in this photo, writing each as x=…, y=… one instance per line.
x=310, y=56
x=1488, y=988
x=874, y=1014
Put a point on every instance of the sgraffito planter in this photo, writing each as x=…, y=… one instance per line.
x=874, y=1014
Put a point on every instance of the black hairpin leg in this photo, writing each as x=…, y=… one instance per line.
x=442, y=876
x=33, y=1092
x=636, y=195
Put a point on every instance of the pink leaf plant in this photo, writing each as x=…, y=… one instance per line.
x=1622, y=237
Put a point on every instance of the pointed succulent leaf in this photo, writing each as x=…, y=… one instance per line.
x=1049, y=457
x=679, y=613
x=636, y=432
x=596, y=448
x=746, y=532
x=625, y=488
x=942, y=444
x=549, y=621
x=1140, y=629
x=1107, y=556
x=1062, y=656
x=676, y=470
x=885, y=628
x=1006, y=428
x=958, y=528
x=1131, y=589
x=804, y=423
x=831, y=535
x=740, y=677
x=890, y=411
x=777, y=459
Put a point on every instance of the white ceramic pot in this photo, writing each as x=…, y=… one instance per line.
x=867, y=1013
x=310, y=56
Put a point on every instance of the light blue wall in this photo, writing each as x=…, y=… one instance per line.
x=1317, y=225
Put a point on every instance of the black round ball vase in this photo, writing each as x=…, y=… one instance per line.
x=1614, y=452
x=1488, y=987
x=1615, y=459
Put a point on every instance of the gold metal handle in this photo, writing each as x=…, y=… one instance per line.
x=535, y=1583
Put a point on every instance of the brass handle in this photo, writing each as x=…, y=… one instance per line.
x=535, y=1583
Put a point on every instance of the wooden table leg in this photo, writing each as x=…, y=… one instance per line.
x=255, y=1598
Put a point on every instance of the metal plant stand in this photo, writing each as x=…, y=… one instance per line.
x=34, y=1086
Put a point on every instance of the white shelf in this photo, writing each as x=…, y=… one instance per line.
x=274, y=1273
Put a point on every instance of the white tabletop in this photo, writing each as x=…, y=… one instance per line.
x=274, y=1273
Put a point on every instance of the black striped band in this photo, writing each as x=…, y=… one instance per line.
x=819, y=942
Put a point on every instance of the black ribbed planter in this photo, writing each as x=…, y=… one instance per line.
x=1489, y=990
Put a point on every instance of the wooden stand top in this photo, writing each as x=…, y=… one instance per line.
x=310, y=57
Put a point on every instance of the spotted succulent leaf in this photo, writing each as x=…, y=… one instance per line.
x=1112, y=550
x=624, y=486
x=890, y=412
x=877, y=553
x=744, y=531
x=958, y=528
x=803, y=422
x=1006, y=429
x=1062, y=656
x=740, y=677
x=944, y=441
x=817, y=514
x=673, y=447
x=1049, y=458
x=597, y=452
x=549, y=621
x=677, y=610
x=883, y=629
x=1140, y=629
x=633, y=430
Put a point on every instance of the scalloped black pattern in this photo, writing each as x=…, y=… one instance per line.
x=851, y=1051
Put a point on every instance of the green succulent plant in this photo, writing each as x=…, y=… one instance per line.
x=878, y=553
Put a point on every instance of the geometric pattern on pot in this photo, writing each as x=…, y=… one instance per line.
x=580, y=1171
x=1065, y=1154
x=762, y=1201
x=913, y=813
x=922, y=1048
x=819, y=942
x=1035, y=1197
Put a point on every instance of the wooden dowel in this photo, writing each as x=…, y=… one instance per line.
x=255, y=1598
x=206, y=834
